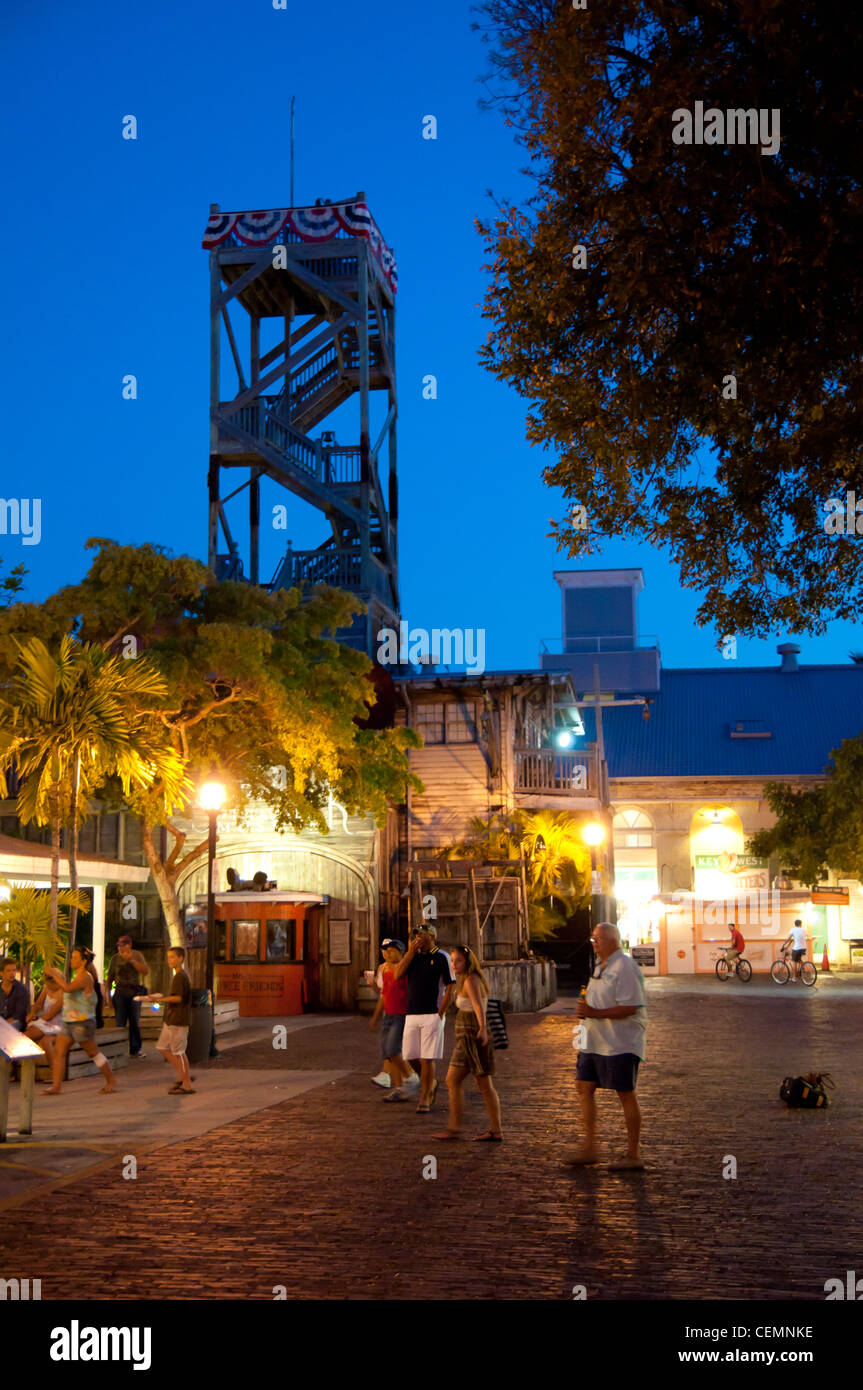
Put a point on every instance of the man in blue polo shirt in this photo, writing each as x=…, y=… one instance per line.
x=612, y=1044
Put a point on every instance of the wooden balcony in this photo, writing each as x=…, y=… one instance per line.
x=549, y=771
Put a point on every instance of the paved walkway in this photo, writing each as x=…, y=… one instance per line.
x=324, y=1192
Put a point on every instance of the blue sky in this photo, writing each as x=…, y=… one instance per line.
x=107, y=276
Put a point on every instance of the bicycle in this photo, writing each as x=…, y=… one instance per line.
x=741, y=966
x=780, y=970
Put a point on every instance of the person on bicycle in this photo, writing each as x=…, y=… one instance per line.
x=796, y=939
x=737, y=947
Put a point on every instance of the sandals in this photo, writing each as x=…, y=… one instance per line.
x=448, y=1134
x=423, y=1109
x=488, y=1138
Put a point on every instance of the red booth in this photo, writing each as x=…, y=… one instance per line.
x=266, y=949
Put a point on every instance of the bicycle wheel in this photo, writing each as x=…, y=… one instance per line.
x=722, y=969
x=808, y=972
x=780, y=972
x=744, y=969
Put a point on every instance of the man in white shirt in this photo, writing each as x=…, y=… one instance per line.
x=796, y=939
x=611, y=1045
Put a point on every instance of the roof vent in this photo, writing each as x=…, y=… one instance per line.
x=789, y=652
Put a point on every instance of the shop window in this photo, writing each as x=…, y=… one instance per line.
x=632, y=830
x=221, y=938
x=244, y=939
x=281, y=940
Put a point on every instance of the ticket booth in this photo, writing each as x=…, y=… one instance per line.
x=267, y=949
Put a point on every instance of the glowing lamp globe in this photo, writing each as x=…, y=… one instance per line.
x=212, y=796
x=592, y=833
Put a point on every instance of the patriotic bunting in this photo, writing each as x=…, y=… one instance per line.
x=306, y=224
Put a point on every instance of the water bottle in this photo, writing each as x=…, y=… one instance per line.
x=579, y=1031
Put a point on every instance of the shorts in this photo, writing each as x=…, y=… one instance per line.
x=615, y=1073
x=423, y=1037
x=80, y=1030
x=173, y=1038
x=476, y=1057
x=732, y=954
x=51, y=1026
x=798, y=955
x=392, y=1033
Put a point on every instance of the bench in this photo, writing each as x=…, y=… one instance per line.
x=113, y=1043
x=226, y=1020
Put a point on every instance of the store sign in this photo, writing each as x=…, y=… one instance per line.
x=726, y=871
x=644, y=956
x=835, y=897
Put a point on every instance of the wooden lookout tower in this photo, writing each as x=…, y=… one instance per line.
x=328, y=278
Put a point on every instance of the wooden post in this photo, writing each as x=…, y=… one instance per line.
x=477, y=927
x=5, y=1068
x=28, y=1088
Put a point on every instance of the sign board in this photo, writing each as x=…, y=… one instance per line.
x=596, y=883
x=720, y=875
x=836, y=897
x=340, y=941
x=644, y=956
x=15, y=1047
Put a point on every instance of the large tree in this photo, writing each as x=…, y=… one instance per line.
x=255, y=685
x=820, y=827
x=700, y=263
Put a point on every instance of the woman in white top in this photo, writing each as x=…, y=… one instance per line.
x=43, y=1021
x=473, y=1051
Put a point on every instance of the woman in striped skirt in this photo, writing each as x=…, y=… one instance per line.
x=473, y=1051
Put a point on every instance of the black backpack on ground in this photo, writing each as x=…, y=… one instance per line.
x=807, y=1092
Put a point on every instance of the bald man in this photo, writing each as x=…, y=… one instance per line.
x=612, y=1044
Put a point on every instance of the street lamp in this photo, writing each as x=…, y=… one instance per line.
x=593, y=834
x=212, y=799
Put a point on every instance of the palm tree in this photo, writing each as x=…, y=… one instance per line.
x=26, y=921
x=557, y=861
x=75, y=720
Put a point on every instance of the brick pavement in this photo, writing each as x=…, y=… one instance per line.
x=324, y=1193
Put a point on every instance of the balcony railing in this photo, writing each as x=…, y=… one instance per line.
x=578, y=643
x=547, y=770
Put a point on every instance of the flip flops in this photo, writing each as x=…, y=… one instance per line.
x=488, y=1138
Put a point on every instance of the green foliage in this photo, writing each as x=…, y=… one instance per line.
x=12, y=584
x=25, y=922
x=821, y=827
x=252, y=682
x=702, y=262
x=557, y=861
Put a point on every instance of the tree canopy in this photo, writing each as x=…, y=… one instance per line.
x=696, y=367
x=820, y=827
x=254, y=684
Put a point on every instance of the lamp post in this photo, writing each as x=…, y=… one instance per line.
x=593, y=835
x=212, y=798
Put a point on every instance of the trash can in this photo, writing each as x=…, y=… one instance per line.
x=201, y=1026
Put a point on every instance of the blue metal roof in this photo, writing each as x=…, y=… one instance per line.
x=808, y=712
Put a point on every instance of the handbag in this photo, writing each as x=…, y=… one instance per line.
x=496, y=1024
x=807, y=1092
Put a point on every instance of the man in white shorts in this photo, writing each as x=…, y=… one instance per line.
x=175, y=1021
x=429, y=972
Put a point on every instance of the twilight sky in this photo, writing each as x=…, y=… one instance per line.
x=106, y=276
